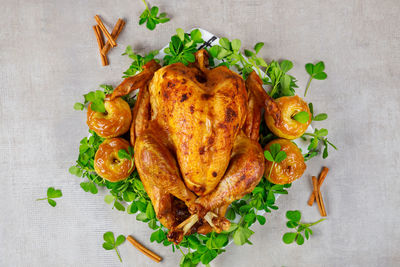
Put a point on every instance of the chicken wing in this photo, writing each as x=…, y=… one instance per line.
x=137, y=81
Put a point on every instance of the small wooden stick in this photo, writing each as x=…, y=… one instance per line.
x=100, y=42
x=321, y=179
x=105, y=31
x=315, y=187
x=144, y=250
x=114, y=34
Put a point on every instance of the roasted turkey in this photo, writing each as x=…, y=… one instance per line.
x=195, y=134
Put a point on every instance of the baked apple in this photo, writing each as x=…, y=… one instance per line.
x=289, y=128
x=288, y=170
x=114, y=122
x=108, y=164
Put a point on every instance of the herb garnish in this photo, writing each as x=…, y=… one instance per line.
x=319, y=117
x=302, y=117
x=52, y=193
x=150, y=17
x=96, y=98
x=110, y=242
x=294, y=217
x=182, y=47
x=316, y=72
x=282, y=84
x=229, y=53
x=138, y=61
x=317, y=136
x=85, y=164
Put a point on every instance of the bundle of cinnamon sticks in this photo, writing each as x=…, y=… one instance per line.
x=99, y=30
x=316, y=194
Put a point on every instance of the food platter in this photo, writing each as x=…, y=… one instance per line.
x=237, y=110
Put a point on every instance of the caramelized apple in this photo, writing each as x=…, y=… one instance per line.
x=114, y=122
x=108, y=164
x=289, y=128
x=288, y=170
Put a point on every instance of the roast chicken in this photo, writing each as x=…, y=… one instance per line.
x=195, y=134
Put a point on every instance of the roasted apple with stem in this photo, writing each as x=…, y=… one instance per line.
x=115, y=121
x=289, y=169
x=289, y=128
x=107, y=162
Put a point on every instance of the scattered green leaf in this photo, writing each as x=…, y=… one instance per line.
x=294, y=217
x=110, y=242
x=319, y=136
x=151, y=17
x=316, y=72
x=52, y=193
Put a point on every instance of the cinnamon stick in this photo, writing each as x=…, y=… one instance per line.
x=321, y=179
x=114, y=34
x=100, y=42
x=315, y=188
x=105, y=31
x=321, y=203
x=144, y=250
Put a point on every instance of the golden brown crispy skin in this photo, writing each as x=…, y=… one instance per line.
x=257, y=97
x=162, y=203
x=140, y=114
x=132, y=136
x=245, y=171
x=114, y=122
x=137, y=81
x=202, y=113
x=108, y=164
x=188, y=134
x=290, y=168
x=157, y=166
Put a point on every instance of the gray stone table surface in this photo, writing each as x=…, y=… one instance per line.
x=49, y=58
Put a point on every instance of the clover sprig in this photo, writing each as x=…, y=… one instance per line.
x=182, y=47
x=319, y=136
x=51, y=194
x=96, y=98
x=138, y=61
x=294, y=217
x=316, y=72
x=151, y=17
x=111, y=243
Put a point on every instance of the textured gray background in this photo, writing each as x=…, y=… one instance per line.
x=49, y=58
